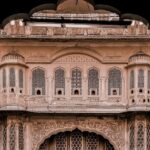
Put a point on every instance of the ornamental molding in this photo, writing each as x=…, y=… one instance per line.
x=109, y=129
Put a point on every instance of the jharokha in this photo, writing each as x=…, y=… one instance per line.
x=74, y=76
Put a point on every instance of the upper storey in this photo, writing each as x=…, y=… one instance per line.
x=76, y=19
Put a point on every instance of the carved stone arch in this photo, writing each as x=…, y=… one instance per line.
x=109, y=130
x=77, y=50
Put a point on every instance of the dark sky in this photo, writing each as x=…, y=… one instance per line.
x=140, y=7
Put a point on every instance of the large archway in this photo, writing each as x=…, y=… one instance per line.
x=76, y=140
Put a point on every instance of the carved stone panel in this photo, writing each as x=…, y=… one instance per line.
x=109, y=129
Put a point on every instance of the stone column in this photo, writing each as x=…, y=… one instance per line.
x=27, y=135
x=8, y=136
x=102, y=88
x=17, y=136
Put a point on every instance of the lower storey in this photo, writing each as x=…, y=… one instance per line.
x=24, y=131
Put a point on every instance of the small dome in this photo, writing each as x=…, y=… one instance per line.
x=13, y=57
x=75, y=6
x=139, y=58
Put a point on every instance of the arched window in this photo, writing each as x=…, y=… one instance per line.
x=114, y=82
x=141, y=79
x=148, y=136
x=93, y=82
x=140, y=137
x=12, y=80
x=59, y=82
x=4, y=78
x=12, y=137
x=132, y=79
x=38, y=82
x=131, y=138
x=61, y=141
x=76, y=82
x=20, y=78
x=21, y=137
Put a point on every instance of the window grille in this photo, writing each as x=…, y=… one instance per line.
x=76, y=140
x=59, y=81
x=12, y=137
x=93, y=81
x=132, y=79
x=148, y=137
x=114, y=81
x=4, y=78
x=76, y=82
x=20, y=78
x=61, y=141
x=38, y=82
x=141, y=78
x=140, y=137
x=21, y=137
x=131, y=138
x=92, y=141
x=12, y=80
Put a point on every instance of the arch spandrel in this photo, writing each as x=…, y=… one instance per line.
x=109, y=129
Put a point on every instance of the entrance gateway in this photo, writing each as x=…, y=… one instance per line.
x=76, y=140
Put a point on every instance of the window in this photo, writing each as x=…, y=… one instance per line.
x=132, y=79
x=20, y=78
x=21, y=137
x=140, y=137
x=93, y=82
x=59, y=82
x=38, y=82
x=61, y=141
x=114, y=82
x=12, y=80
x=76, y=82
x=12, y=137
x=4, y=78
x=148, y=137
x=131, y=138
x=44, y=146
x=141, y=79
x=76, y=140
x=92, y=141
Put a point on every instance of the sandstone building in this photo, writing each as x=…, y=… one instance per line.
x=74, y=76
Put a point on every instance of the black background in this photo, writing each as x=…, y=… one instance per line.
x=139, y=7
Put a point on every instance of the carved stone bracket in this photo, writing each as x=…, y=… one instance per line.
x=109, y=129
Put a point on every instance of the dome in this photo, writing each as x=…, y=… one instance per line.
x=139, y=58
x=13, y=58
x=75, y=6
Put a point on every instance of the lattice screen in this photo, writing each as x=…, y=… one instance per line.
x=131, y=138
x=93, y=80
x=140, y=137
x=38, y=81
x=114, y=80
x=141, y=78
x=12, y=80
x=12, y=137
x=61, y=141
x=20, y=78
x=4, y=78
x=60, y=80
x=76, y=80
x=132, y=78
